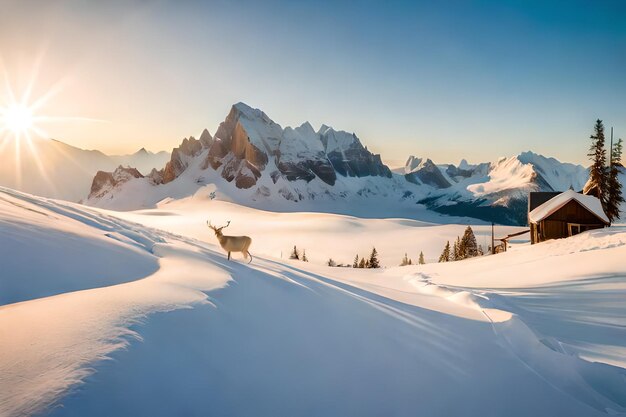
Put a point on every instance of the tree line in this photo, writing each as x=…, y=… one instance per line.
x=406, y=261
x=369, y=262
x=464, y=247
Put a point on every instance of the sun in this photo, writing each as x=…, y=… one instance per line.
x=20, y=125
x=17, y=118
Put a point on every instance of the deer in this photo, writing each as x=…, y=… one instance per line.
x=232, y=243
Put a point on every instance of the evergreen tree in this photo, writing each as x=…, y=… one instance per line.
x=456, y=250
x=362, y=263
x=480, y=250
x=331, y=262
x=355, y=264
x=410, y=261
x=373, y=261
x=445, y=255
x=614, y=196
x=469, y=247
x=405, y=260
x=598, y=178
x=304, y=258
x=367, y=263
x=462, y=248
x=421, y=260
x=294, y=254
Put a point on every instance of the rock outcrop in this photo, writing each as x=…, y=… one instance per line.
x=420, y=171
x=181, y=156
x=104, y=182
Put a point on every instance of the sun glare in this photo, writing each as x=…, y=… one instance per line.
x=17, y=118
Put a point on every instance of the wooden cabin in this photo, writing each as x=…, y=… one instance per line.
x=559, y=215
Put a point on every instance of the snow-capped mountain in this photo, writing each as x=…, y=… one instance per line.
x=51, y=168
x=252, y=160
x=495, y=191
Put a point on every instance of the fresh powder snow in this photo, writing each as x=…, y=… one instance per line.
x=534, y=331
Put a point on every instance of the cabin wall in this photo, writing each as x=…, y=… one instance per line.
x=534, y=238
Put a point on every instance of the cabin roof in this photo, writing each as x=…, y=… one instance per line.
x=537, y=198
x=591, y=203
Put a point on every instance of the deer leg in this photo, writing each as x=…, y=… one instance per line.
x=229, y=256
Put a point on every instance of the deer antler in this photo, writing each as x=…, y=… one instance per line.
x=227, y=224
x=208, y=223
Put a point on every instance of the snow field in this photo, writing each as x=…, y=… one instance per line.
x=534, y=331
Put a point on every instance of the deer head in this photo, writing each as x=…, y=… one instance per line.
x=217, y=230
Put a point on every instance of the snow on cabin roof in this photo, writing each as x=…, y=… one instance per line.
x=589, y=202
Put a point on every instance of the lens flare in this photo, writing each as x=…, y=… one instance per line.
x=17, y=118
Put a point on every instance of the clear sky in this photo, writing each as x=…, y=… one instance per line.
x=442, y=79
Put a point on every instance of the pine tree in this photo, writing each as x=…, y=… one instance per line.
x=469, y=247
x=362, y=263
x=614, y=195
x=367, y=263
x=304, y=258
x=445, y=255
x=373, y=261
x=405, y=260
x=456, y=250
x=355, y=264
x=421, y=260
x=331, y=262
x=598, y=178
x=294, y=254
x=410, y=261
x=480, y=250
x=462, y=247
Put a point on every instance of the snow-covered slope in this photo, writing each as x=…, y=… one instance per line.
x=54, y=169
x=535, y=331
x=72, y=283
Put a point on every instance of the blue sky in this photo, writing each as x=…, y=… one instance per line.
x=445, y=80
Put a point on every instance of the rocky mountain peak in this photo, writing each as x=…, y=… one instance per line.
x=180, y=158
x=424, y=171
x=206, y=139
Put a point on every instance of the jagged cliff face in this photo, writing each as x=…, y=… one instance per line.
x=419, y=171
x=349, y=157
x=248, y=144
x=301, y=155
x=104, y=182
x=180, y=158
x=243, y=146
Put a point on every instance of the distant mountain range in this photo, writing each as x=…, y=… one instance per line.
x=496, y=191
x=252, y=160
x=51, y=168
